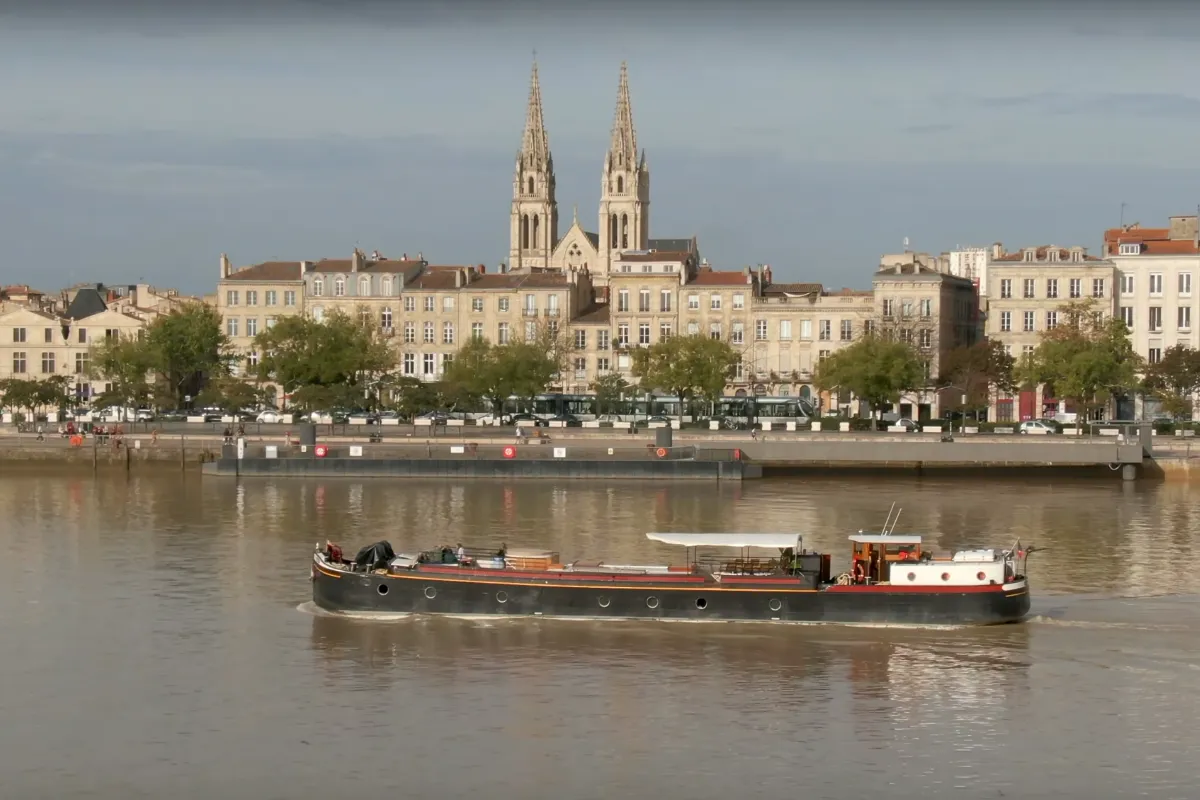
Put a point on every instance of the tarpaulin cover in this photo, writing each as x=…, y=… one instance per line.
x=375, y=555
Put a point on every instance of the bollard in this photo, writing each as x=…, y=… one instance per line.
x=182, y=454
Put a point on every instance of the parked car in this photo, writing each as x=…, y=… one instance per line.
x=570, y=420
x=144, y=415
x=435, y=417
x=269, y=416
x=1037, y=426
x=389, y=415
x=494, y=419
x=908, y=425
x=527, y=419
x=174, y=415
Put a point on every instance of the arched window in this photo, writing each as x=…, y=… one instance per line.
x=624, y=230
x=339, y=287
x=524, y=231
x=620, y=185
x=364, y=287
x=318, y=313
x=530, y=184
x=385, y=286
x=385, y=318
x=536, y=225
x=612, y=232
x=318, y=287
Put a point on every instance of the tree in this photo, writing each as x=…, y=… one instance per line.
x=124, y=364
x=1174, y=379
x=1088, y=357
x=975, y=369
x=411, y=396
x=609, y=389
x=686, y=367
x=186, y=348
x=338, y=354
x=877, y=370
x=230, y=395
x=496, y=372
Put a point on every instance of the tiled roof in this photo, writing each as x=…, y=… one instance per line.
x=268, y=271
x=1043, y=254
x=86, y=303
x=437, y=279
x=1154, y=242
x=657, y=255
x=793, y=288
x=520, y=280
x=684, y=245
x=595, y=314
x=388, y=265
x=714, y=278
x=594, y=238
x=1135, y=234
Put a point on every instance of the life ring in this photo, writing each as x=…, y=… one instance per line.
x=661, y=452
x=860, y=572
x=510, y=452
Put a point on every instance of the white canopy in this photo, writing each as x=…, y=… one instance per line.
x=778, y=541
x=885, y=538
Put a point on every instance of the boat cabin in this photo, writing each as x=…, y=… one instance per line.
x=875, y=553
x=754, y=557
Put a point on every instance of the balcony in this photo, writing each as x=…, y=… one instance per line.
x=529, y=312
x=550, y=312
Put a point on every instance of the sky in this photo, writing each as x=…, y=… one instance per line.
x=140, y=140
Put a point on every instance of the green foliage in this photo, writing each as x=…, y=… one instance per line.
x=334, y=361
x=30, y=395
x=686, y=366
x=609, y=389
x=230, y=395
x=877, y=370
x=973, y=370
x=184, y=348
x=1174, y=379
x=411, y=396
x=124, y=364
x=495, y=372
x=1087, y=358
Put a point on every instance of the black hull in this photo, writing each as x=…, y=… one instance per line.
x=412, y=593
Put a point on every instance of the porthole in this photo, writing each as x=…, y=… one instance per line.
x=912, y=576
x=774, y=605
x=501, y=597
x=701, y=603
x=382, y=588
x=980, y=575
x=430, y=592
x=945, y=576
x=603, y=601
x=651, y=602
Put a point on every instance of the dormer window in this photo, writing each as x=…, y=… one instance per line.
x=1131, y=248
x=1030, y=254
x=1077, y=255
x=1052, y=254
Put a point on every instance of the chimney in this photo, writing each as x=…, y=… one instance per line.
x=420, y=256
x=458, y=279
x=768, y=272
x=356, y=260
x=226, y=267
x=503, y=268
x=404, y=257
x=997, y=250
x=305, y=266
x=481, y=269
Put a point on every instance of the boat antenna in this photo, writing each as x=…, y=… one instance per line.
x=894, y=521
x=889, y=519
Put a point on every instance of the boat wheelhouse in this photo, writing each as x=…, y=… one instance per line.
x=892, y=579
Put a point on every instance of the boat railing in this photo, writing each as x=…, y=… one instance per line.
x=741, y=566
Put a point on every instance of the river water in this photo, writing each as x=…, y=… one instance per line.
x=157, y=642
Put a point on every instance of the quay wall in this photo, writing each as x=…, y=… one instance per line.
x=557, y=469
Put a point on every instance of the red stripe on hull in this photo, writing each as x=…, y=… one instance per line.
x=995, y=587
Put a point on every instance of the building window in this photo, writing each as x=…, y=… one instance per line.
x=925, y=338
x=644, y=333
x=1154, y=355
x=430, y=304
x=48, y=335
x=847, y=330
x=318, y=288
x=1185, y=318
x=270, y=323
x=888, y=307
x=1029, y=321
x=1130, y=249
x=19, y=335
x=693, y=328
x=737, y=335
x=18, y=363
x=252, y=298
x=1126, y=284
x=271, y=297
x=603, y=338
x=664, y=331
x=623, y=300
x=602, y=365
x=1076, y=288
x=364, y=287
x=252, y=358
x=477, y=304
x=926, y=308
x=476, y=330
x=1052, y=288
x=580, y=369
x=447, y=303
x=385, y=318
x=1051, y=320
x=252, y=326
x=693, y=302
x=231, y=297
x=429, y=336
x=806, y=328
x=410, y=304
x=1006, y=289
x=410, y=364
x=502, y=333
x=1005, y=321
x=429, y=364
x=1127, y=316
x=339, y=287
x=760, y=330
x=410, y=332
x=868, y=327
x=1028, y=293
x=83, y=363
x=530, y=330
x=580, y=339
x=825, y=328
x=623, y=334
x=502, y=305
x=739, y=300
x=1155, y=318
x=385, y=286
x=664, y=300
x=1185, y=283
x=906, y=308
x=1156, y=283
x=714, y=330
x=289, y=298
x=644, y=301
x=47, y=363
x=714, y=302
x=822, y=355
x=739, y=371
x=785, y=330
x=231, y=326
x=447, y=333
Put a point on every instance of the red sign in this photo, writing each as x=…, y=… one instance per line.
x=510, y=452
x=321, y=450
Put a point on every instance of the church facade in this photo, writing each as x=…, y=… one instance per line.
x=623, y=224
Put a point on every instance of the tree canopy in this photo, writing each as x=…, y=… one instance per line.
x=1174, y=379
x=686, y=367
x=124, y=364
x=495, y=372
x=975, y=369
x=609, y=389
x=1087, y=357
x=185, y=348
x=877, y=370
x=20, y=394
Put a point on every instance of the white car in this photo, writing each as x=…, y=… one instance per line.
x=493, y=419
x=1036, y=426
x=269, y=417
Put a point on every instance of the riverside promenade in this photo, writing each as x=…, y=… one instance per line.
x=604, y=454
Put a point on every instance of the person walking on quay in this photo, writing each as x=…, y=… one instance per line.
x=41, y=433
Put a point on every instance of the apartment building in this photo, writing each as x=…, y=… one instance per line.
x=35, y=345
x=1026, y=290
x=934, y=311
x=1155, y=268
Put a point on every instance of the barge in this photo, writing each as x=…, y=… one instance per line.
x=746, y=577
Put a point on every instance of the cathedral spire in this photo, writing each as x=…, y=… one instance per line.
x=623, y=150
x=535, y=145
